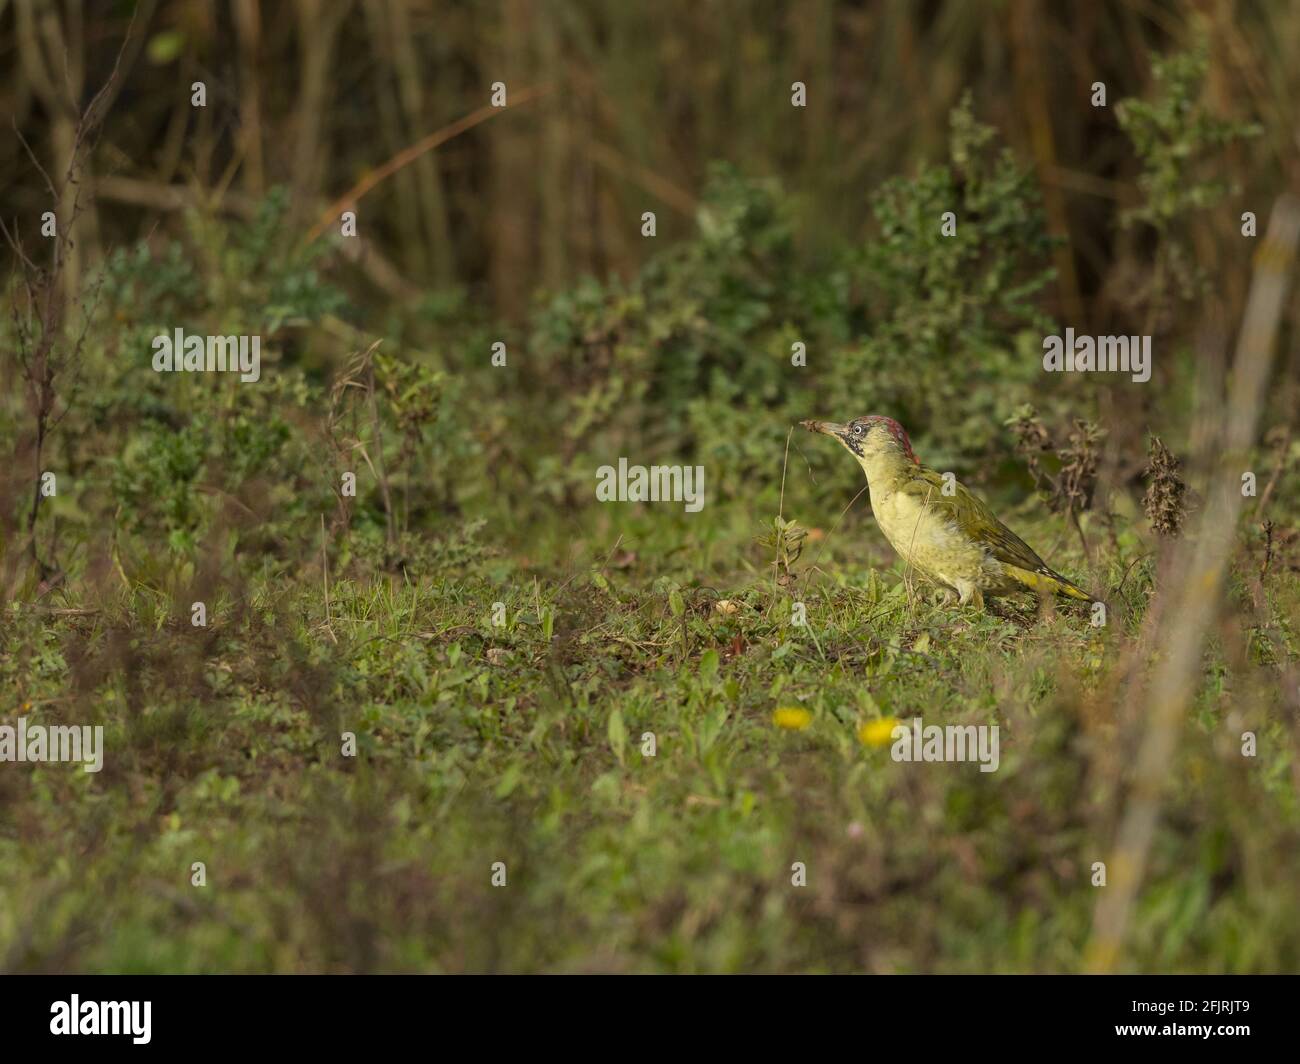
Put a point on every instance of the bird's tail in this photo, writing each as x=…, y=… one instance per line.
x=1046, y=580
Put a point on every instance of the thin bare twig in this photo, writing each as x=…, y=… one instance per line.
x=409, y=155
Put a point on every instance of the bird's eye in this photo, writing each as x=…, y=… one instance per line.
x=857, y=430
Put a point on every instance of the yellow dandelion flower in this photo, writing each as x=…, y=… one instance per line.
x=879, y=732
x=796, y=718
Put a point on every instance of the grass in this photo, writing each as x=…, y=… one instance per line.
x=525, y=743
x=467, y=718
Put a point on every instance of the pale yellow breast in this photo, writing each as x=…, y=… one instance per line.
x=925, y=539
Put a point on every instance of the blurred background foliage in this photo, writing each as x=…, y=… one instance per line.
x=777, y=226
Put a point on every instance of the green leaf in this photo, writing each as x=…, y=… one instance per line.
x=709, y=666
x=617, y=734
x=509, y=780
x=164, y=47
x=711, y=727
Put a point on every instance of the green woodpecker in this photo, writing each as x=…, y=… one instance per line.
x=936, y=525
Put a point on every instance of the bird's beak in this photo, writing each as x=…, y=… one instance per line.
x=826, y=428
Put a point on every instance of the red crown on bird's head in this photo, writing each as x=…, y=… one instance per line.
x=895, y=429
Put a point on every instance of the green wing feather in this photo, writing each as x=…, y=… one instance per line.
x=972, y=515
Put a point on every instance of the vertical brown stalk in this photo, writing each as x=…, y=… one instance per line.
x=1194, y=589
x=1027, y=48
x=249, y=31
x=512, y=197
x=429, y=187
x=555, y=148
x=52, y=61
x=318, y=28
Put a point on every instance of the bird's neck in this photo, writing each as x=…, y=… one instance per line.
x=885, y=472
